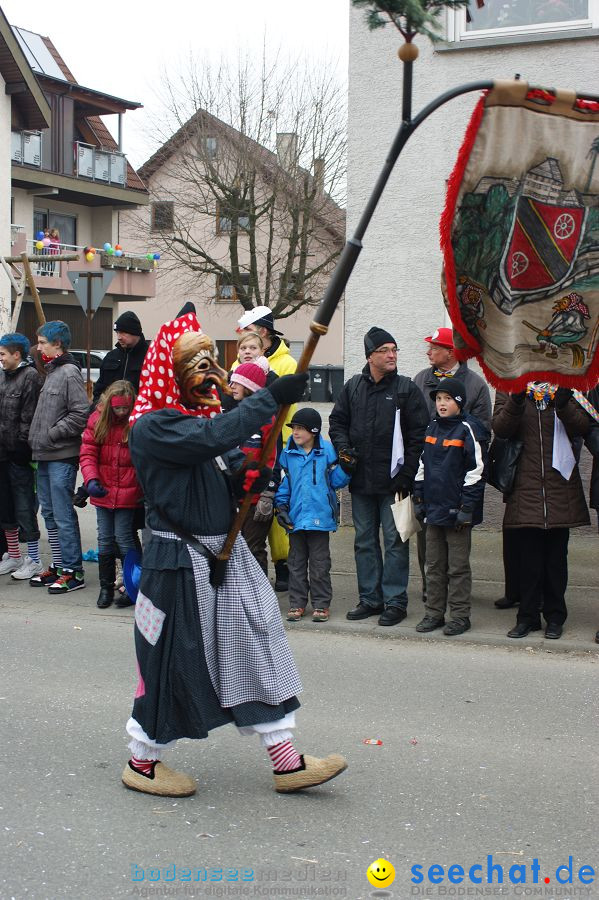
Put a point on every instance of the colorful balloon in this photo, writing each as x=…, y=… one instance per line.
x=90, y=256
x=107, y=246
x=46, y=242
x=157, y=256
x=117, y=247
x=118, y=252
x=110, y=251
x=39, y=245
x=149, y=256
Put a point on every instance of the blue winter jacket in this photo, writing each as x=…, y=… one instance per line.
x=451, y=475
x=308, y=487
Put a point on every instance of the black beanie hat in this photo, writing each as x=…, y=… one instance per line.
x=454, y=387
x=375, y=338
x=129, y=323
x=307, y=418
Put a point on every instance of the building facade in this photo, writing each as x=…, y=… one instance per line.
x=68, y=180
x=184, y=207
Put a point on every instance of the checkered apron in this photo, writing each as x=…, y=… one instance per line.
x=245, y=644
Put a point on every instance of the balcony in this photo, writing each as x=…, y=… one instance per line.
x=108, y=166
x=135, y=277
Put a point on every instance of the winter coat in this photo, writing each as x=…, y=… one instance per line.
x=592, y=445
x=110, y=463
x=452, y=466
x=309, y=484
x=61, y=412
x=279, y=358
x=19, y=392
x=541, y=496
x=478, y=397
x=364, y=418
x=252, y=448
x=121, y=365
x=174, y=456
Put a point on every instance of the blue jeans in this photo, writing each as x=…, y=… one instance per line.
x=380, y=583
x=55, y=488
x=115, y=525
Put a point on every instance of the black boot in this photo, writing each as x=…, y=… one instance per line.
x=281, y=575
x=106, y=567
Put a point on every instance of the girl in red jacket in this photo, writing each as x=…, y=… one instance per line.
x=245, y=380
x=110, y=480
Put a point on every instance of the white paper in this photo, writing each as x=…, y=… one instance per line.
x=397, y=452
x=563, y=457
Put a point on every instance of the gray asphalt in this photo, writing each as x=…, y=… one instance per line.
x=489, y=747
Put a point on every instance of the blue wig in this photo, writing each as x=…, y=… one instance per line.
x=14, y=342
x=56, y=332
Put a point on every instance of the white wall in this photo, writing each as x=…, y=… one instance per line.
x=396, y=281
x=5, y=106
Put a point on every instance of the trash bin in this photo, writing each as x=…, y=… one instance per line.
x=319, y=384
x=336, y=382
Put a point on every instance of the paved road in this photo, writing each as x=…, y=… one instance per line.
x=485, y=751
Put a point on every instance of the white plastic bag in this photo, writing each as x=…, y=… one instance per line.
x=403, y=515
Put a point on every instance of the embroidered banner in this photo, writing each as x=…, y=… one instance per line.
x=520, y=238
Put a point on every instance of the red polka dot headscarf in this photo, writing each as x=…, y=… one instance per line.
x=158, y=388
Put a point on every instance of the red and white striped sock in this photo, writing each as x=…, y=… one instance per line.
x=12, y=541
x=284, y=757
x=144, y=766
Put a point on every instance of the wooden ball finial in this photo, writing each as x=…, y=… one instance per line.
x=408, y=52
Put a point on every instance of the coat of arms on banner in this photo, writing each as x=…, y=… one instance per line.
x=520, y=237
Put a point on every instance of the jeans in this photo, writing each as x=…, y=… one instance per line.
x=55, y=488
x=115, y=525
x=18, y=500
x=380, y=583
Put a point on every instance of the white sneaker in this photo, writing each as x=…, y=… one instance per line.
x=9, y=564
x=28, y=568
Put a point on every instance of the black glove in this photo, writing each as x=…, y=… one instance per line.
x=348, y=460
x=80, y=497
x=95, y=488
x=519, y=398
x=562, y=396
x=463, y=520
x=419, y=509
x=264, y=507
x=282, y=514
x=289, y=389
x=401, y=484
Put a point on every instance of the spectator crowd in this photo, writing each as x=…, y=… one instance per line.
x=435, y=439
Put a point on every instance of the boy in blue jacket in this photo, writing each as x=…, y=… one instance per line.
x=448, y=494
x=306, y=505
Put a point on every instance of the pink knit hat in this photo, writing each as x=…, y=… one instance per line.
x=251, y=375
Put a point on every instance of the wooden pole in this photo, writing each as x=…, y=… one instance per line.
x=48, y=257
x=31, y=285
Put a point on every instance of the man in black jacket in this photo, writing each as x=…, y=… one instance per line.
x=126, y=360
x=379, y=417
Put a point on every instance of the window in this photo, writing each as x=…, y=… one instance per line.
x=163, y=215
x=293, y=293
x=225, y=216
x=65, y=225
x=210, y=147
x=225, y=290
x=497, y=18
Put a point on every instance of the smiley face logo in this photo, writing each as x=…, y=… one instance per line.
x=380, y=873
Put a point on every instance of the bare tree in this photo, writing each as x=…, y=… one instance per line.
x=254, y=167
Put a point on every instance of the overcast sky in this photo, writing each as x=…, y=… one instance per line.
x=122, y=48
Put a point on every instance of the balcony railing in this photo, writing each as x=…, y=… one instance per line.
x=99, y=164
x=26, y=148
x=89, y=162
